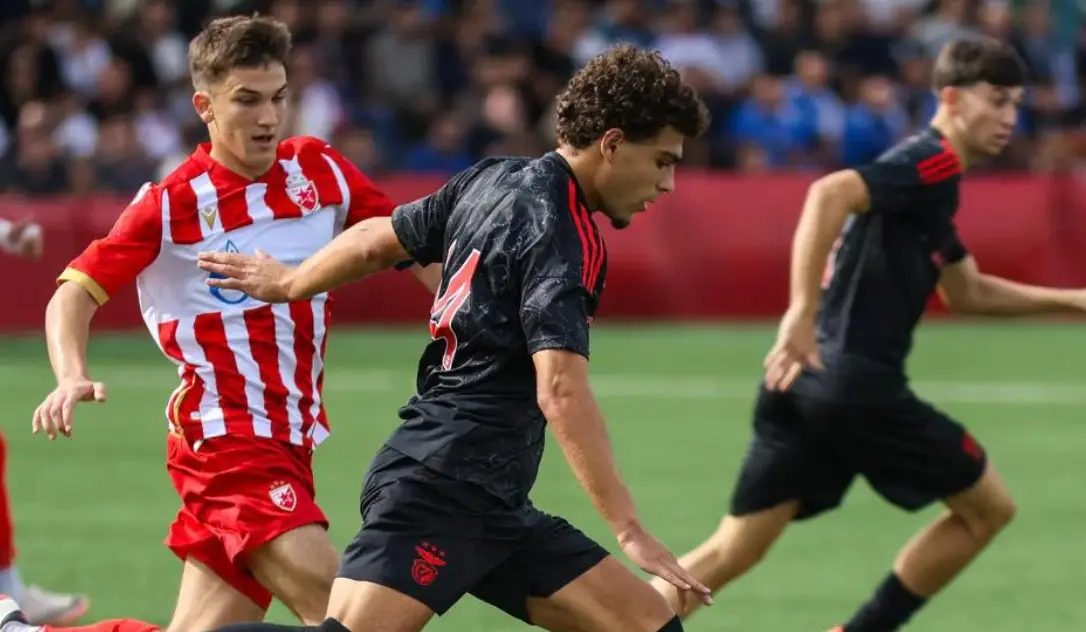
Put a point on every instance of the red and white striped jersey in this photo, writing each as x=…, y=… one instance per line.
x=246, y=367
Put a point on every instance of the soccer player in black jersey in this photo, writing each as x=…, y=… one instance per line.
x=835, y=403
x=445, y=504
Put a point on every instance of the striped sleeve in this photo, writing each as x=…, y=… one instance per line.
x=908, y=185
x=112, y=262
x=560, y=275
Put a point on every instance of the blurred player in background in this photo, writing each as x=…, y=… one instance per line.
x=24, y=238
x=248, y=413
x=835, y=402
x=445, y=504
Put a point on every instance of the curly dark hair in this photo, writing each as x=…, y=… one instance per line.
x=239, y=41
x=633, y=90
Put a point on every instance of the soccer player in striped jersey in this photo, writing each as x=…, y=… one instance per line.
x=248, y=412
x=446, y=501
x=836, y=403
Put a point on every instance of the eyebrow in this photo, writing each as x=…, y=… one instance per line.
x=248, y=91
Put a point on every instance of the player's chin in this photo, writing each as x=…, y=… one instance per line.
x=620, y=222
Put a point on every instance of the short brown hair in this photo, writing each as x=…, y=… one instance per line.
x=634, y=90
x=968, y=61
x=239, y=41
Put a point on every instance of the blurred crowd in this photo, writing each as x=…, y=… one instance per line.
x=95, y=93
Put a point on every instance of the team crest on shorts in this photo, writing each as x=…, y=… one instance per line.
x=424, y=570
x=302, y=192
x=282, y=494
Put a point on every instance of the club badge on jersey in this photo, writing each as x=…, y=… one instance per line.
x=300, y=189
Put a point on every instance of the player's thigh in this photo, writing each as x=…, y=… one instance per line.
x=371, y=607
x=791, y=461
x=422, y=534
x=207, y=601
x=562, y=580
x=914, y=454
x=298, y=567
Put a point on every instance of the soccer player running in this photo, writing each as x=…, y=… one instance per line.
x=445, y=504
x=835, y=402
x=23, y=238
x=248, y=413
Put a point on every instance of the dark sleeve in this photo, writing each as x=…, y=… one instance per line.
x=915, y=186
x=891, y=185
x=420, y=225
x=554, y=303
x=952, y=249
x=554, y=314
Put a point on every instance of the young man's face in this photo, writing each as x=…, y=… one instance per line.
x=246, y=112
x=988, y=114
x=635, y=174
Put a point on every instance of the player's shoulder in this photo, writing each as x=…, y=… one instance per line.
x=306, y=146
x=930, y=156
x=550, y=210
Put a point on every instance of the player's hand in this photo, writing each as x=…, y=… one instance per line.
x=796, y=348
x=27, y=239
x=56, y=413
x=652, y=557
x=260, y=276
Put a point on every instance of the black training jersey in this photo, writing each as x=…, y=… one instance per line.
x=524, y=268
x=885, y=268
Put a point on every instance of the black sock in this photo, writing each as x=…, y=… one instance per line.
x=329, y=625
x=891, y=607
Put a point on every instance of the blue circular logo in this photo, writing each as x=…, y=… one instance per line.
x=230, y=297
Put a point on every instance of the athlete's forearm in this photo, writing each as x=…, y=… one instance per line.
x=820, y=224
x=578, y=424
x=996, y=296
x=367, y=247
x=67, y=330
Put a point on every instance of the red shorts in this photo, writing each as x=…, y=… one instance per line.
x=238, y=494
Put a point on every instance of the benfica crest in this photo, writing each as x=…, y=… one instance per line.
x=282, y=494
x=302, y=192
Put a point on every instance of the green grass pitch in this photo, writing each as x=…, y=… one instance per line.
x=91, y=512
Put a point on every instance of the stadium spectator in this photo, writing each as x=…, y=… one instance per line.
x=433, y=84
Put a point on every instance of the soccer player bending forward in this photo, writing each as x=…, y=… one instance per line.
x=445, y=504
x=835, y=402
x=248, y=413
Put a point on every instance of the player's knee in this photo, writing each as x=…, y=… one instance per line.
x=985, y=521
x=674, y=625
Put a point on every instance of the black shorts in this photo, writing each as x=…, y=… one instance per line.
x=811, y=449
x=436, y=539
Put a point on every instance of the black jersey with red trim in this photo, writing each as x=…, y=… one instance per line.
x=524, y=268
x=885, y=268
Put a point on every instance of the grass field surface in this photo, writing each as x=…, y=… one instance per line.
x=91, y=512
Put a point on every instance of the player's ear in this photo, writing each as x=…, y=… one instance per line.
x=609, y=143
x=201, y=102
x=950, y=96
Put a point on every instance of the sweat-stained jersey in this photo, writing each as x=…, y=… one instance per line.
x=885, y=269
x=246, y=367
x=524, y=271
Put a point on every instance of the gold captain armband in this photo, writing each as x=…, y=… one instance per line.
x=86, y=282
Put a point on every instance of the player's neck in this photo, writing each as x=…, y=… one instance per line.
x=942, y=124
x=229, y=161
x=580, y=163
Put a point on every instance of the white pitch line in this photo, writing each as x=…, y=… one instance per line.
x=606, y=385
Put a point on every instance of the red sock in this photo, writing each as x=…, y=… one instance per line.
x=7, y=534
x=113, y=625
